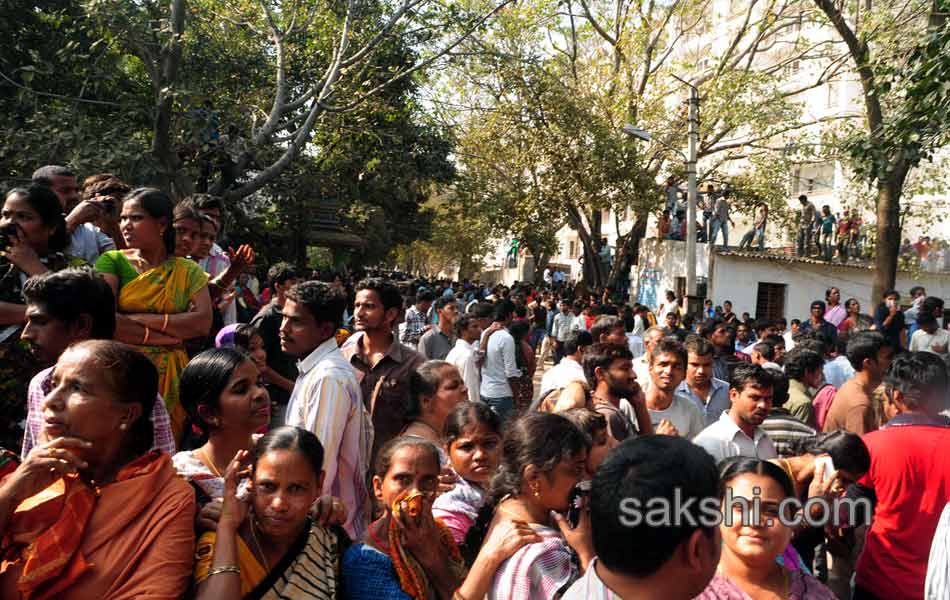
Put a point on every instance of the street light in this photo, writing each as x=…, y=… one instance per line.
x=691, y=193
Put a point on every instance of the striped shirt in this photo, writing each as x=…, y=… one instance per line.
x=327, y=402
x=785, y=430
x=539, y=570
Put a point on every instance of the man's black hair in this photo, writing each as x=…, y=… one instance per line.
x=747, y=374
x=325, y=303
x=443, y=301
x=480, y=310
x=502, y=311
x=633, y=474
x=577, y=339
x=604, y=325
x=800, y=360
x=45, y=174
x=387, y=291
x=766, y=349
x=922, y=378
x=865, y=345
x=600, y=356
x=669, y=345
x=925, y=319
x=779, y=387
x=70, y=293
x=425, y=296
x=280, y=273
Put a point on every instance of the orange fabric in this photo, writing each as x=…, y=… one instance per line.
x=412, y=578
x=51, y=562
x=136, y=541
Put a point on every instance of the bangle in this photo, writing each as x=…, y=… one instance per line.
x=165, y=323
x=224, y=569
x=145, y=339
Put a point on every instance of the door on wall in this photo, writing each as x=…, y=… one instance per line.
x=770, y=300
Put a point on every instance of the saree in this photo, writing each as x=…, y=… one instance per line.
x=165, y=289
x=129, y=538
x=310, y=569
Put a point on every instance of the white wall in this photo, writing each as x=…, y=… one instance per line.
x=662, y=261
x=737, y=278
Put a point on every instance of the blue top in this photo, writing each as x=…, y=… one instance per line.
x=368, y=574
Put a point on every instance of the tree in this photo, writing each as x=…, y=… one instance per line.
x=611, y=63
x=903, y=90
x=323, y=61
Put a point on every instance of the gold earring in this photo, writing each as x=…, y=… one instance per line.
x=535, y=489
x=123, y=426
x=215, y=422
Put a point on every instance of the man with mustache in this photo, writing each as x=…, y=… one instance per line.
x=738, y=431
x=614, y=390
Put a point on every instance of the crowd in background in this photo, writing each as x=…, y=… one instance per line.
x=180, y=421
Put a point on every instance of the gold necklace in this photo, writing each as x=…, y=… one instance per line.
x=257, y=544
x=210, y=463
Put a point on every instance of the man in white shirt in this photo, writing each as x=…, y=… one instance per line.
x=929, y=337
x=570, y=368
x=464, y=354
x=500, y=372
x=561, y=328
x=670, y=412
x=738, y=431
x=326, y=399
x=641, y=364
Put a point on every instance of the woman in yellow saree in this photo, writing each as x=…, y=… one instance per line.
x=161, y=299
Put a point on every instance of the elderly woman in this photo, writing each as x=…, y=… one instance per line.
x=93, y=513
x=32, y=239
x=162, y=299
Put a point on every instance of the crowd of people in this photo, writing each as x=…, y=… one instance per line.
x=183, y=433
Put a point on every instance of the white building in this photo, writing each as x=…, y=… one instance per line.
x=763, y=284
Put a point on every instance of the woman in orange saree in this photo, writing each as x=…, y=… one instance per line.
x=93, y=513
x=161, y=299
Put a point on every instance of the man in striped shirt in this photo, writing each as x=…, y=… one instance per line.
x=326, y=399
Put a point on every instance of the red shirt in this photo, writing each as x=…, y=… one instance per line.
x=910, y=474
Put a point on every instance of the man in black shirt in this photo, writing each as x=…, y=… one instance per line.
x=283, y=367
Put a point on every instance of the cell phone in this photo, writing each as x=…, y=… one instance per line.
x=826, y=465
x=578, y=500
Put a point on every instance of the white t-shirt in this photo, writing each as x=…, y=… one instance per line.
x=922, y=341
x=683, y=414
x=560, y=375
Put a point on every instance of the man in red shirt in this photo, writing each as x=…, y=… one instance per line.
x=910, y=475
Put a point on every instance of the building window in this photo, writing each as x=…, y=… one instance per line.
x=770, y=301
x=572, y=249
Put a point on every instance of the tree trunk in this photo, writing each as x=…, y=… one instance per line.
x=592, y=275
x=169, y=164
x=887, y=246
x=628, y=251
